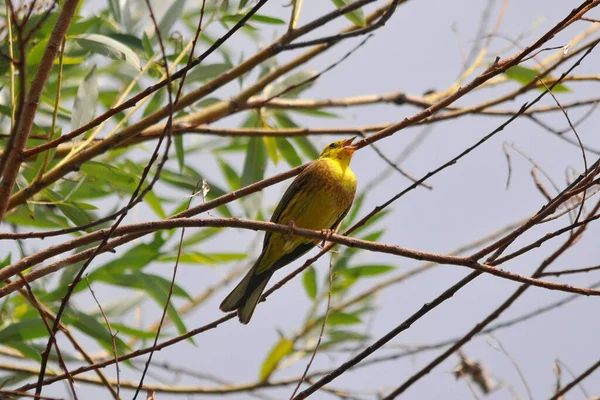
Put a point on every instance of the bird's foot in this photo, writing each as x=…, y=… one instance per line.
x=327, y=233
x=291, y=228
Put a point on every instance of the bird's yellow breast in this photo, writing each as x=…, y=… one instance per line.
x=318, y=205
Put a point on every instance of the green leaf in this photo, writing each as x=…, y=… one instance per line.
x=367, y=270
x=155, y=204
x=73, y=211
x=203, y=258
x=138, y=280
x=357, y=17
x=132, y=332
x=117, y=307
x=255, y=162
x=371, y=221
x=204, y=72
x=108, y=173
x=374, y=236
x=271, y=146
x=233, y=179
x=309, y=278
x=109, y=47
x=306, y=147
x=264, y=19
x=86, y=100
x=524, y=76
x=200, y=235
x=281, y=349
x=155, y=103
x=340, y=318
x=155, y=287
x=169, y=18
x=23, y=331
x=133, y=259
x=288, y=152
x=179, y=152
x=115, y=10
x=147, y=44
x=39, y=217
x=254, y=170
x=313, y=112
x=93, y=328
x=28, y=350
x=128, y=40
x=341, y=336
x=6, y=261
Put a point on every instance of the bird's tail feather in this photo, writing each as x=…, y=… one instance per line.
x=250, y=300
x=245, y=296
x=233, y=299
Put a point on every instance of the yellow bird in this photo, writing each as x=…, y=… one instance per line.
x=319, y=198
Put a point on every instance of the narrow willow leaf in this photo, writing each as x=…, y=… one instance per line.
x=204, y=72
x=75, y=212
x=157, y=290
x=306, y=147
x=27, y=350
x=115, y=10
x=94, y=329
x=179, y=152
x=147, y=43
x=6, y=261
x=340, y=318
x=169, y=18
x=357, y=17
x=200, y=235
x=117, y=307
x=271, y=146
x=254, y=170
x=109, y=47
x=22, y=331
x=341, y=336
x=367, y=270
x=281, y=349
x=132, y=332
x=128, y=40
x=263, y=19
x=313, y=112
x=309, y=278
x=371, y=221
x=288, y=152
x=203, y=258
x=108, y=173
x=525, y=75
x=133, y=259
x=86, y=100
x=255, y=162
x=232, y=177
x=155, y=204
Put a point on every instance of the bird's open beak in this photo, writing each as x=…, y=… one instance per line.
x=348, y=146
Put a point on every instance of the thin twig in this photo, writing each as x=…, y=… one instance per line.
x=113, y=336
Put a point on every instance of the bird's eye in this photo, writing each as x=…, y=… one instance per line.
x=332, y=145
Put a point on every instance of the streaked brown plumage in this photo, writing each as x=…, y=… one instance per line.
x=319, y=198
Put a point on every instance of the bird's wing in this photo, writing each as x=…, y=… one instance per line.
x=299, y=184
x=303, y=248
x=337, y=223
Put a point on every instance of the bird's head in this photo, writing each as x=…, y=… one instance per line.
x=340, y=151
